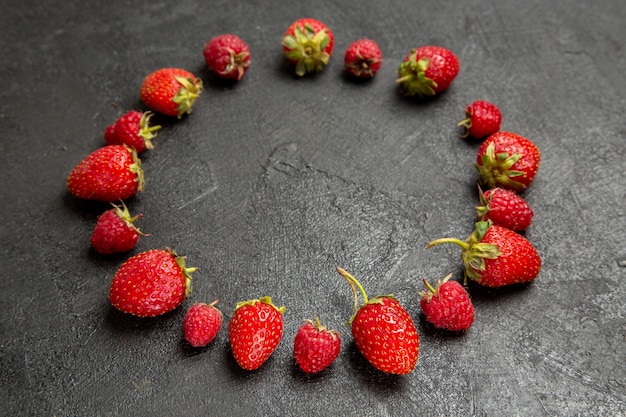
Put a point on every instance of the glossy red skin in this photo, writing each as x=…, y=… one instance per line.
x=112, y=234
x=314, y=349
x=363, y=58
x=148, y=284
x=507, y=209
x=386, y=335
x=485, y=119
x=201, y=324
x=449, y=308
x=218, y=53
x=125, y=131
x=160, y=87
x=443, y=67
x=317, y=27
x=105, y=175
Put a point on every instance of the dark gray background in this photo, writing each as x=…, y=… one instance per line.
x=273, y=182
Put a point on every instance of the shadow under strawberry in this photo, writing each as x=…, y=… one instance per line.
x=380, y=382
x=139, y=327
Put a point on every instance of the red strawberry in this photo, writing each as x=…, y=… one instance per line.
x=482, y=119
x=110, y=173
x=495, y=256
x=132, y=129
x=171, y=91
x=228, y=56
x=255, y=331
x=151, y=283
x=427, y=70
x=202, y=323
x=507, y=160
x=448, y=305
x=115, y=231
x=504, y=208
x=363, y=58
x=383, y=331
x=315, y=347
x=308, y=43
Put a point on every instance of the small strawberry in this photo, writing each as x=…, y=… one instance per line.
x=171, y=91
x=495, y=256
x=482, y=119
x=228, y=56
x=151, y=283
x=254, y=331
x=315, y=347
x=115, y=231
x=202, y=323
x=448, y=305
x=427, y=70
x=110, y=173
x=363, y=58
x=308, y=43
x=507, y=160
x=383, y=331
x=504, y=208
x=132, y=129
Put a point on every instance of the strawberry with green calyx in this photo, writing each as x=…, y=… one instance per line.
x=132, y=129
x=427, y=70
x=171, y=91
x=495, y=256
x=315, y=346
x=504, y=208
x=308, y=44
x=482, y=119
x=447, y=305
x=228, y=56
x=363, y=58
x=507, y=160
x=151, y=283
x=383, y=331
x=115, y=232
x=254, y=331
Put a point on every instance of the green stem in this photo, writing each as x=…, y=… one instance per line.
x=353, y=281
x=463, y=245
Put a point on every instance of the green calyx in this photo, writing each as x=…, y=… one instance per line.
x=430, y=290
x=239, y=61
x=483, y=208
x=124, y=214
x=474, y=251
x=180, y=261
x=354, y=285
x=495, y=169
x=136, y=169
x=146, y=131
x=412, y=77
x=189, y=91
x=265, y=300
x=307, y=49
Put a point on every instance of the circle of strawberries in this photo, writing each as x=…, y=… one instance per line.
x=157, y=281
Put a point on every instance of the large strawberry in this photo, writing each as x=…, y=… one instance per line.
x=495, y=256
x=132, y=129
x=427, y=70
x=151, y=283
x=110, y=173
x=254, y=331
x=308, y=44
x=383, y=331
x=114, y=231
x=171, y=91
x=507, y=160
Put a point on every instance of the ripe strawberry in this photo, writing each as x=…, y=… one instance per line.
x=482, y=119
x=255, y=331
x=202, y=323
x=507, y=160
x=448, y=305
x=228, y=56
x=151, y=283
x=132, y=129
x=495, y=256
x=115, y=231
x=110, y=173
x=171, y=91
x=383, y=331
x=427, y=70
x=504, y=208
x=363, y=58
x=315, y=347
x=308, y=43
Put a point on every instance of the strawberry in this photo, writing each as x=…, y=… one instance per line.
x=495, y=256
x=504, y=208
x=171, y=91
x=482, y=119
x=115, y=231
x=110, y=173
x=448, y=305
x=315, y=347
x=383, y=331
x=254, y=331
x=427, y=70
x=308, y=43
x=228, y=56
x=507, y=160
x=132, y=129
x=363, y=58
x=202, y=323
x=151, y=283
